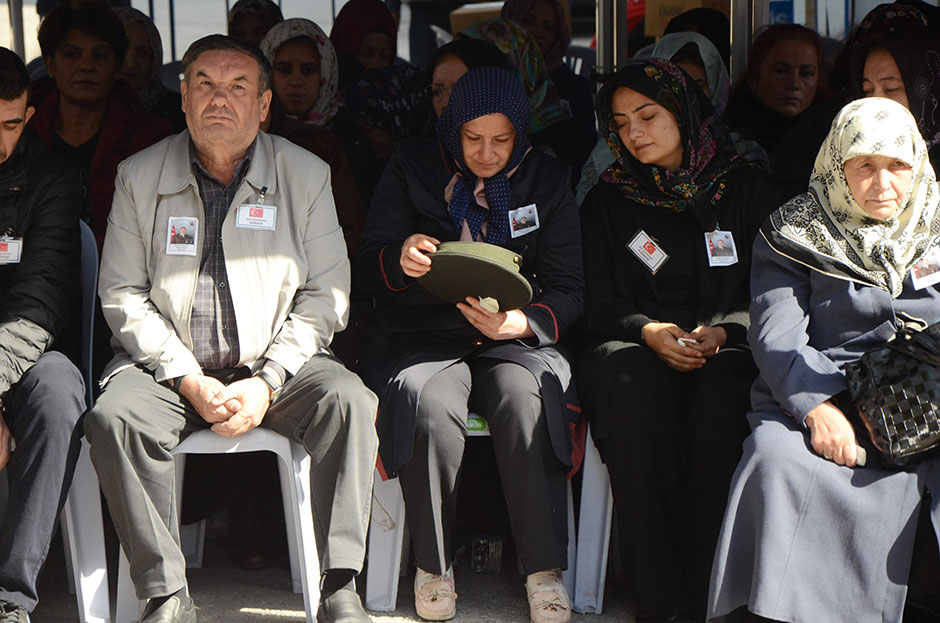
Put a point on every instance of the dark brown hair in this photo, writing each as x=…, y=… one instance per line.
x=231, y=44
x=774, y=34
x=14, y=78
x=95, y=20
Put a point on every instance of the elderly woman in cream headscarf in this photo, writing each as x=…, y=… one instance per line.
x=809, y=533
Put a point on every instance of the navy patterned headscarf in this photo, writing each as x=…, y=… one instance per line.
x=483, y=91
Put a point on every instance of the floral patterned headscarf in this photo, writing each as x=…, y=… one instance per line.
x=328, y=101
x=391, y=99
x=708, y=153
x=829, y=221
x=518, y=10
x=916, y=52
x=545, y=108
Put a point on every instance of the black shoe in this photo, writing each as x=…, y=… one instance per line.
x=177, y=608
x=343, y=606
x=11, y=613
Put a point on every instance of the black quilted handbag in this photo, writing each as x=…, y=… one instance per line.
x=896, y=388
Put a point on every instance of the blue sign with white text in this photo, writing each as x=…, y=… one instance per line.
x=781, y=11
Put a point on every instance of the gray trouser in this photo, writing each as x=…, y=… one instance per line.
x=43, y=411
x=507, y=396
x=137, y=422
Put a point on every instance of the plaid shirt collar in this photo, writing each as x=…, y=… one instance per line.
x=241, y=169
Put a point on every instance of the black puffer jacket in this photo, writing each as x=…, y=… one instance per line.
x=39, y=202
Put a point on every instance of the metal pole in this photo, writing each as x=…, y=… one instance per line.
x=604, y=25
x=742, y=30
x=16, y=23
x=621, y=35
x=150, y=6
x=172, y=32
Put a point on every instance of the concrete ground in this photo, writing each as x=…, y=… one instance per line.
x=224, y=594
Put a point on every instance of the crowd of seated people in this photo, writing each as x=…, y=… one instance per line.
x=704, y=259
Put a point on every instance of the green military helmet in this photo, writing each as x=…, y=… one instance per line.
x=479, y=269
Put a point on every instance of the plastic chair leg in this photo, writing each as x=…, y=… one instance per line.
x=84, y=538
x=285, y=470
x=128, y=606
x=301, y=509
x=593, y=533
x=569, y=575
x=386, y=534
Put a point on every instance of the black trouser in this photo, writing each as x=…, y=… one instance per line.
x=507, y=396
x=42, y=411
x=675, y=440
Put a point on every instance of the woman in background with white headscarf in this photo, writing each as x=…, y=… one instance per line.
x=809, y=534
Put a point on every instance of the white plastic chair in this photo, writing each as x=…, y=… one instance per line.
x=597, y=504
x=387, y=535
x=82, y=524
x=294, y=468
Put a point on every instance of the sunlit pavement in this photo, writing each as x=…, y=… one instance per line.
x=224, y=594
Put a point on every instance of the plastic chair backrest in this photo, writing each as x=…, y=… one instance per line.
x=171, y=75
x=89, y=291
x=581, y=59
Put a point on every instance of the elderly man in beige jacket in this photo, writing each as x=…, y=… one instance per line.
x=228, y=327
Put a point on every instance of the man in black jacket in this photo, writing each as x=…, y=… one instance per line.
x=41, y=391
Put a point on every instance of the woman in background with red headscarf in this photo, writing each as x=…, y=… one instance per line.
x=365, y=35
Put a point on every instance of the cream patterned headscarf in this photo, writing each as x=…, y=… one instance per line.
x=829, y=221
x=327, y=101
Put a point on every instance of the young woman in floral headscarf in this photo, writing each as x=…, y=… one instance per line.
x=431, y=361
x=667, y=246
x=813, y=533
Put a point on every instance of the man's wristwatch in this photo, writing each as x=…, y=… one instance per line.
x=271, y=378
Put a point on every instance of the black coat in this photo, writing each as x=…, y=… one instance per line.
x=791, y=142
x=416, y=334
x=623, y=294
x=40, y=201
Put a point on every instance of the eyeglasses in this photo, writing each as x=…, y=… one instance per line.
x=437, y=92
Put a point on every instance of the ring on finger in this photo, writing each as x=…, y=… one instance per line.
x=827, y=457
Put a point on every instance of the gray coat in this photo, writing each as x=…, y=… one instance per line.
x=805, y=540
